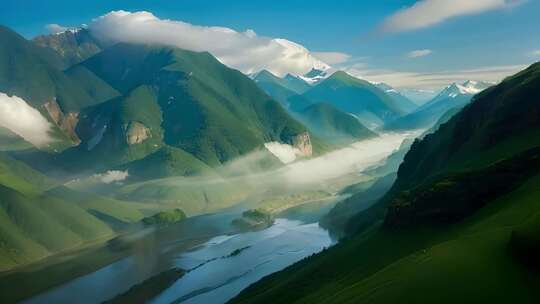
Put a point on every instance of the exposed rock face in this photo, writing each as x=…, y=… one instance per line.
x=66, y=122
x=73, y=45
x=137, y=133
x=302, y=142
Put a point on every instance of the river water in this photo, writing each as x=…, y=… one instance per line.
x=215, y=276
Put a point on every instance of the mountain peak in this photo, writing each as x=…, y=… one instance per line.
x=469, y=87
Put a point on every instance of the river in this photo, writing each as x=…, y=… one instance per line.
x=215, y=276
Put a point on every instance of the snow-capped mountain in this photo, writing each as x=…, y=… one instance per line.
x=455, y=90
x=316, y=75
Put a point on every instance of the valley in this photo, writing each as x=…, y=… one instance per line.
x=188, y=152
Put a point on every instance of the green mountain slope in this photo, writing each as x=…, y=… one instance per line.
x=34, y=74
x=462, y=216
x=177, y=98
x=356, y=96
x=38, y=218
x=333, y=125
x=276, y=87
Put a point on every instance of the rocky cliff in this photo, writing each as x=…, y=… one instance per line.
x=66, y=122
x=302, y=142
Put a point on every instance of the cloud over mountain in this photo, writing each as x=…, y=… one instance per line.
x=332, y=57
x=245, y=51
x=23, y=120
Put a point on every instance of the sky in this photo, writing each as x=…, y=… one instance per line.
x=405, y=43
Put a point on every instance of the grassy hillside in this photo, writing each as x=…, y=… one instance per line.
x=461, y=224
x=466, y=263
x=333, y=125
x=37, y=218
x=34, y=74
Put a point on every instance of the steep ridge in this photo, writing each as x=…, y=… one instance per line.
x=72, y=45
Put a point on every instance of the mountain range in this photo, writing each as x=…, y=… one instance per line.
x=122, y=103
x=454, y=96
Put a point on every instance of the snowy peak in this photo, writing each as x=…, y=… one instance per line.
x=386, y=88
x=315, y=75
x=469, y=87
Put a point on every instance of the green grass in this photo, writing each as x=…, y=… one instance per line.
x=38, y=218
x=333, y=125
x=192, y=195
x=165, y=217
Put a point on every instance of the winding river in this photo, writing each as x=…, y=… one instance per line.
x=215, y=274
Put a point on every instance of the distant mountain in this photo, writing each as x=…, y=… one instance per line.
x=73, y=45
x=296, y=83
x=405, y=103
x=314, y=76
x=333, y=125
x=418, y=96
x=370, y=104
x=281, y=89
x=454, y=96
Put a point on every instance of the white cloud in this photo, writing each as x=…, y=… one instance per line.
x=245, y=51
x=285, y=153
x=111, y=176
x=23, y=120
x=332, y=57
x=54, y=28
x=425, y=13
x=535, y=53
x=419, y=53
x=437, y=79
x=350, y=160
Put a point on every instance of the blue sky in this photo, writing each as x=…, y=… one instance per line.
x=482, y=43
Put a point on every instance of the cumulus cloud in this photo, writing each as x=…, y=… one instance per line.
x=535, y=53
x=285, y=153
x=419, y=53
x=111, y=176
x=425, y=13
x=332, y=57
x=245, y=51
x=20, y=118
